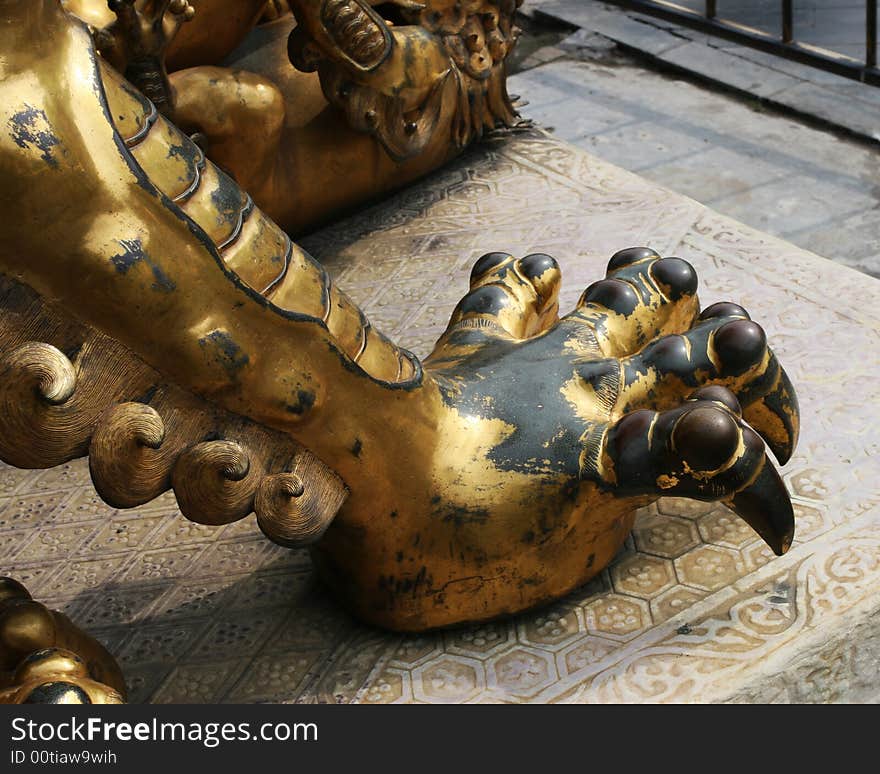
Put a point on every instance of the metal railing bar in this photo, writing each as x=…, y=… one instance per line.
x=871, y=33
x=787, y=21
x=813, y=56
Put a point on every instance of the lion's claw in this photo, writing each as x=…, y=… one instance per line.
x=501, y=473
x=676, y=402
x=704, y=451
x=724, y=347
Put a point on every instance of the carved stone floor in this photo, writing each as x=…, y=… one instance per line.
x=694, y=610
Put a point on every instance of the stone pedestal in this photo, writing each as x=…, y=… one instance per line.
x=695, y=609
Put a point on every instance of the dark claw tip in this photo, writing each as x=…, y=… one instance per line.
x=668, y=353
x=613, y=294
x=543, y=272
x=12, y=589
x=740, y=345
x=766, y=507
x=631, y=255
x=706, y=437
x=677, y=277
x=719, y=394
x=724, y=309
x=486, y=263
x=60, y=692
x=536, y=264
x=488, y=299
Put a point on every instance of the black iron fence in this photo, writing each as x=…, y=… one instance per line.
x=784, y=43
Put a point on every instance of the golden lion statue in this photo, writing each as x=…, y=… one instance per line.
x=155, y=318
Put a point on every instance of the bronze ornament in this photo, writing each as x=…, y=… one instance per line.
x=45, y=659
x=337, y=106
x=155, y=318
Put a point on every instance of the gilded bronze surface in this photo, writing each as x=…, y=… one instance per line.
x=220, y=466
x=498, y=474
x=367, y=105
x=45, y=659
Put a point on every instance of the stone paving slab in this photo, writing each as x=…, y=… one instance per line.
x=694, y=609
x=832, y=99
x=770, y=171
x=725, y=66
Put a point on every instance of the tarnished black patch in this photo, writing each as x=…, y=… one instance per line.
x=414, y=586
x=30, y=128
x=132, y=254
x=225, y=352
x=190, y=154
x=57, y=693
x=132, y=92
x=545, y=441
x=304, y=401
x=228, y=200
x=460, y=515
